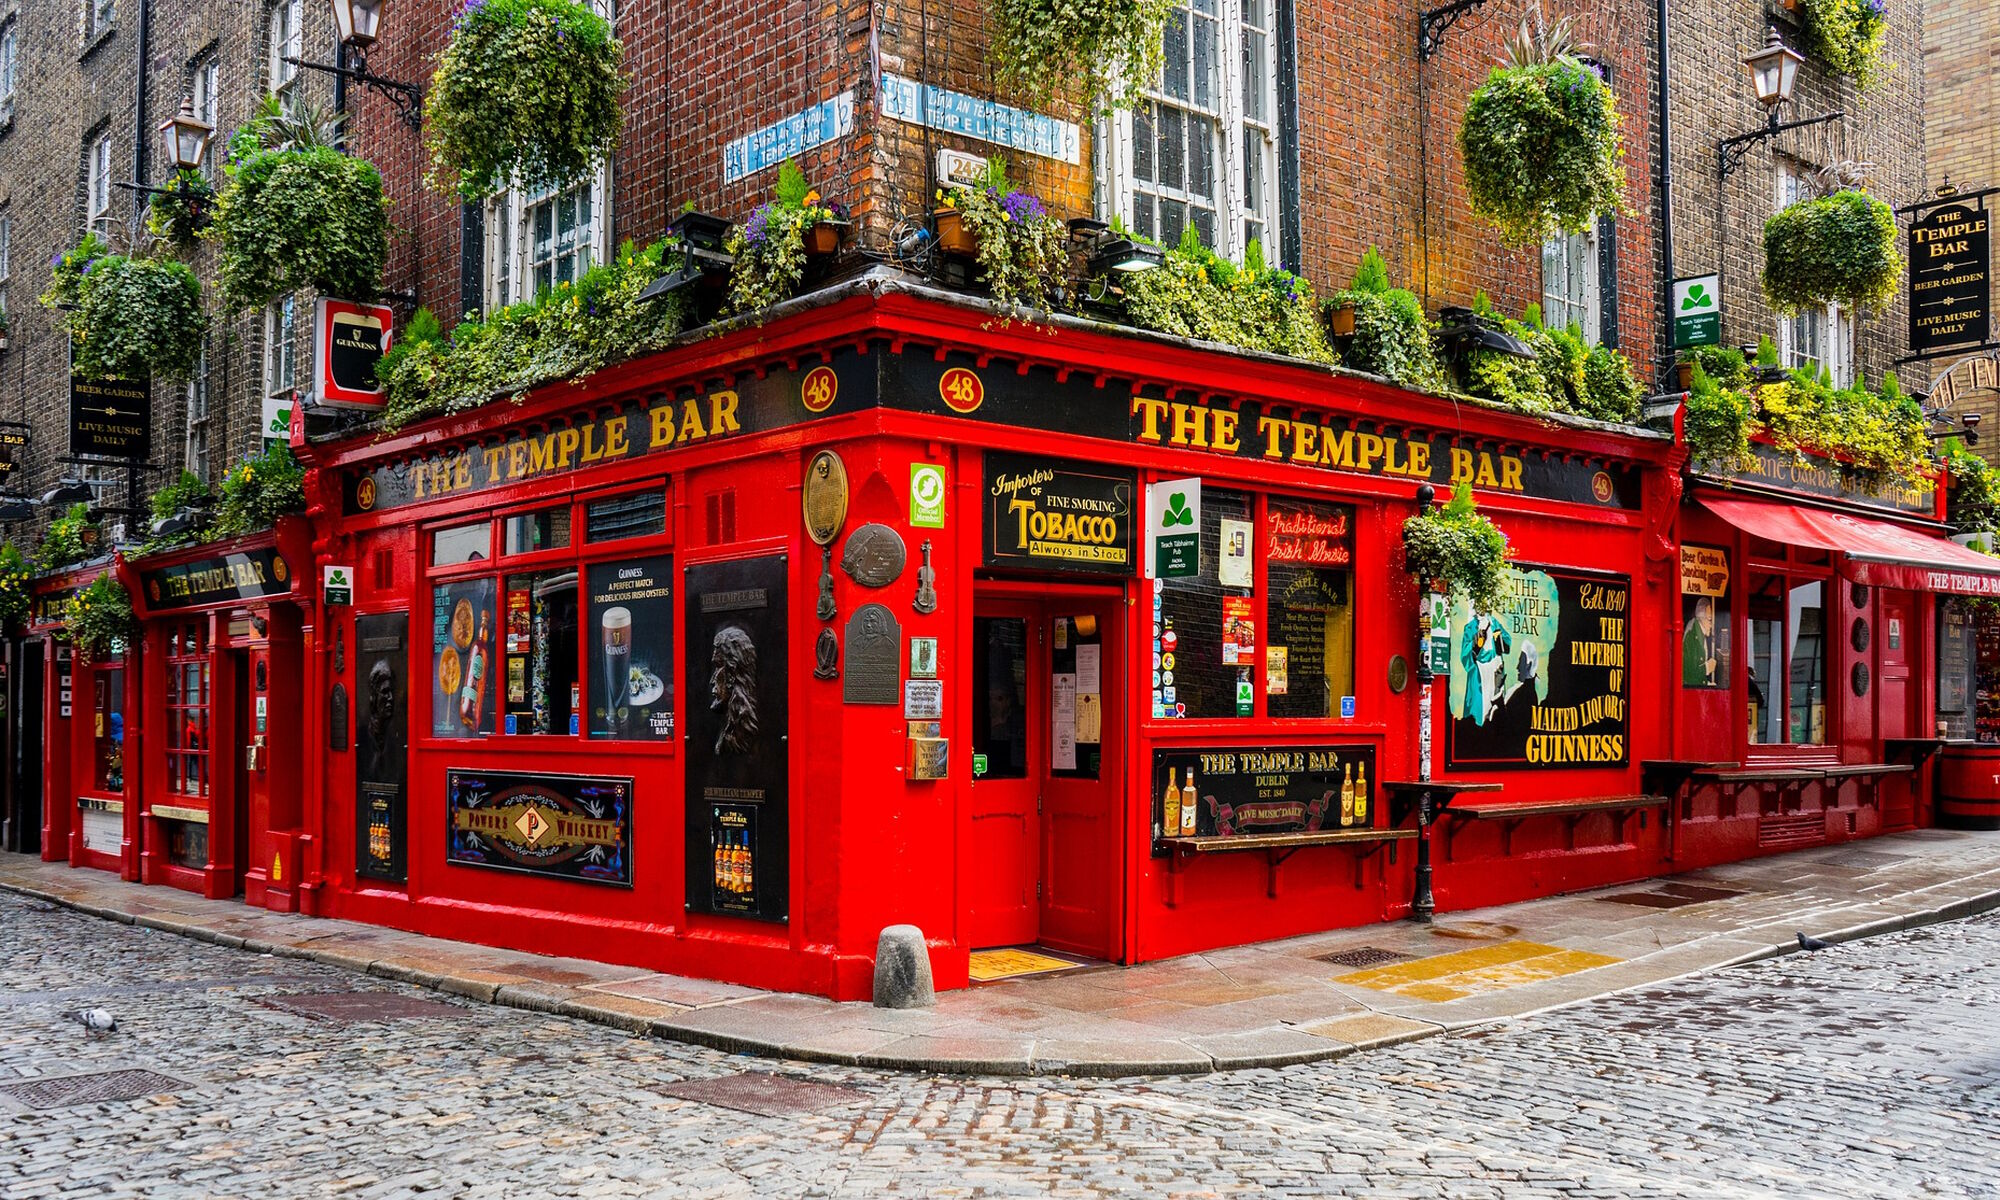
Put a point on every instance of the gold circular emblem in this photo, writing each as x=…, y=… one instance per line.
x=825, y=497
x=364, y=494
x=280, y=570
x=818, y=388
x=153, y=590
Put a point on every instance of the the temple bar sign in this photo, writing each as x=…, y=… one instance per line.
x=1950, y=279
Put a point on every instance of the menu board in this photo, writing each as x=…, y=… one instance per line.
x=1306, y=603
x=1539, y=681
x=1957, y=663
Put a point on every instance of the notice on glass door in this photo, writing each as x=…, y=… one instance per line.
x=1089, y=668
x=1063, y=720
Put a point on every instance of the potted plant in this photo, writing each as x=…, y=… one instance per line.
x=1540, y=140
x=99, y=617
x=1846, y=35
x=771, y=248
x=128, y=318
x=953, y=235
x=298, y=213
x=1387, y=332
x=1083, y=49
x=14, y=588
x=1020, y=251
x=259, y=491
x=1684, y=374
x=63, y=542
x=526, y=94
x=1715, y=422
x=1840, y=245
x=1457, y=550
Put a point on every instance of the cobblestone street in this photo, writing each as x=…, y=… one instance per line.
x=1866, y=1070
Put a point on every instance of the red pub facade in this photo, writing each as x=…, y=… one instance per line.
x=882, y=612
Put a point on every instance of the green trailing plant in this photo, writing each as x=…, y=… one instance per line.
x=1865, y=432
x=1836, y=247
x=1565, y=376
x=297, y=213
x=99, y=618
x=127, y=317
x=258, y=492
x=1715, y=421
x=1972, y=491
x=1084, y=49
x=1392, y=336
x=1540, y=140
x=1611, y=389
x=187, y=492
x=16, y=587
x=1024, y=252
x=770, y=247
x=1724, y=365
x=64, y=542
x=178, y=214
x=1846, y=35
x=1459, y=548
x=526, y=94
x=1200, y=294
x=567, y=332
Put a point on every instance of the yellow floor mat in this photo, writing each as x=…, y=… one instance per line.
x=989, y=965
x=1470, y=972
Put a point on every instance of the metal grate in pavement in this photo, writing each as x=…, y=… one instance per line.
x=97, y=1088
x=1364, y=956
x=347, y=1008
x=765, y=1094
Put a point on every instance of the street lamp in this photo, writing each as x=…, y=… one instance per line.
x=186, y=137
x=358, y=20
x=1773, y=71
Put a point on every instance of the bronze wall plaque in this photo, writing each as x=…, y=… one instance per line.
x=826, y=656
x=825, y=608
x=874, y=556
x=825, y=497
x=874, y=657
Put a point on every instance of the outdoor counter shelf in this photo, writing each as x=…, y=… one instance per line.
x=1277, y=848
x=1573, y=811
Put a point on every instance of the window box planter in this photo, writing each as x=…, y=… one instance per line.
x=1684, y=375
x=823, y=239
x=1340, y=319
x=952, y=235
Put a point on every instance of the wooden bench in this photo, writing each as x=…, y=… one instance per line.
x=1573, y=812
x=1278, y=847
x=1868, y=777
x=1730, y=783
x=1404, y=795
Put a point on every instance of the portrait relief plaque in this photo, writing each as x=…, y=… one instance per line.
x=825, y=497
x=874, y=556
x=874, y=657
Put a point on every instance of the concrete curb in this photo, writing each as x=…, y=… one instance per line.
x=1172, y=1058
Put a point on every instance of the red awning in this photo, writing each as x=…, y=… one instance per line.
x=1872, y=552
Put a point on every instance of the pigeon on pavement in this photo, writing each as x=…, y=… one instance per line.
x=94, y=1021
x=1813, y=943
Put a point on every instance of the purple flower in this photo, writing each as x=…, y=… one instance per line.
x=757, y=228
x=1019, y=206
x=465, y=14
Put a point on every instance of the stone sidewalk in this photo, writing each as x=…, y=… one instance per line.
x=1296, y=1000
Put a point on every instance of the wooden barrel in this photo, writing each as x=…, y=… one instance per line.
x=1969, y=788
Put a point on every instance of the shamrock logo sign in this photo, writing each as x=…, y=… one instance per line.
x=1697, y=297
x=1177, y=512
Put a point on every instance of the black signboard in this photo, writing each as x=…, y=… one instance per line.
x=1052, y=514
x=111, y=417
x=15, y=437
x=1950, y=279
x=738, y=767
x=1257, y=789
x=1814, y=475
x=240, y=575
x=1540, y=681
x=381, y=742
x=564, y=826
x=631, y=655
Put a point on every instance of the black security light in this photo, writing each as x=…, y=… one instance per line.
x=69, y=491
x=16, y=507
x=1124, y=254
x=701, y=257
x=1464, y=331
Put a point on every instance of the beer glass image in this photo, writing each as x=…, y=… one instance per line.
x=617, y=628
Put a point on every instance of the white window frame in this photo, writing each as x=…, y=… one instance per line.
x=1819, y=337
x=280, y=366
x=285, y=38
x=1564, y=303
x=512, y=257
x=10, y=58
x=195, y=457
x=97, y=183
x=98, y=16
x=1247, y=133
x=206, y=87
x=6, y=256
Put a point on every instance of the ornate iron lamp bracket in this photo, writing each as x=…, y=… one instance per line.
x=1432, y=23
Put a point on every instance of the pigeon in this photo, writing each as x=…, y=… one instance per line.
x=94, y=1021
x=1813, y=943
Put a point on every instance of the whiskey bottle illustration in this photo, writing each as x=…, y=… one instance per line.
x=1170, y=824
x=1347, y=796
x=747, y=880
x=1190, y=806
x=1361, y=793
x=722, y=863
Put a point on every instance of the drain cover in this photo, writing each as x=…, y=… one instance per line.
x=1674, y=895
x=349, y=1007
x=765, y=1094
x=71, y=1090
x=1365, y=956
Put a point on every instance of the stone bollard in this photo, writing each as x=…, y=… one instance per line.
x=903, y=969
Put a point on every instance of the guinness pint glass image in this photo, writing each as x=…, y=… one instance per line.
x=616, y=628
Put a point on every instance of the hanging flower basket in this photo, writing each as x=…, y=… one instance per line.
x=301, y=218
x=128, y=317
x=1540, y=142
x=1082, y=49
x=1846, y=35
x=1841, y=247
x=1458, y=550
x=526, y=94
x=99, y=617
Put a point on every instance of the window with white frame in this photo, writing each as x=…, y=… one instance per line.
x=280, y=368
x=1571, y=283
x=97, y=15
x=207, y=86
x=6, y=256
x=286, y=40
x=1816, y=337
x=1200, y=150
x=97, y=184
x=10, y=43
x=196, y=459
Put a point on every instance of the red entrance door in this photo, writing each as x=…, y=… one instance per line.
x=1895, y=715
x=1047, y=761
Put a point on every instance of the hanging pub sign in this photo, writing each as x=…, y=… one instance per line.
x=1697, y=311
x=240, y=575
x=349, y=339
x=15, y=438
x=563, y=826
x=1950, y=279
x=1051, y=514
x=1239, y=790
x=110, y=418
x=1540, y=680
x=737, y=762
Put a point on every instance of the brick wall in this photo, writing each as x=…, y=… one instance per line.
x=1721, y=228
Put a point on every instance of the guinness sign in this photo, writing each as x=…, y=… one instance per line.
x=351, y=339
x=1950, y=279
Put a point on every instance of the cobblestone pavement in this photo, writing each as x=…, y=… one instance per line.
x=1868, y=1070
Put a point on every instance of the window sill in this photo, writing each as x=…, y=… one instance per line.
x=91, y=44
